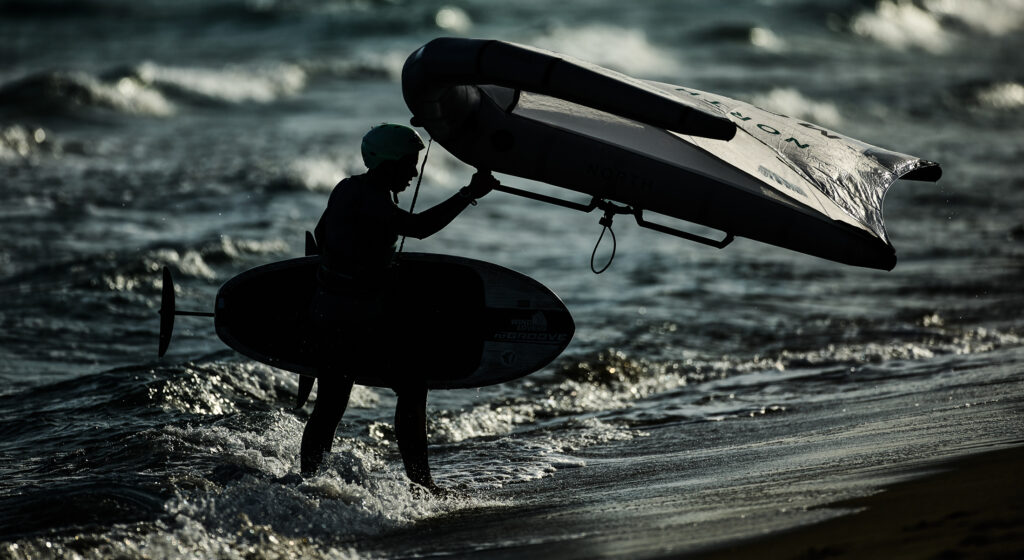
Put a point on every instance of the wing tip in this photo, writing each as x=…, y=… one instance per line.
x=927, y=171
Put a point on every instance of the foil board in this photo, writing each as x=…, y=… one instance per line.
x=453, y=321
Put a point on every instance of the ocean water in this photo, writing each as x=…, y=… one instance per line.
x=708, y=396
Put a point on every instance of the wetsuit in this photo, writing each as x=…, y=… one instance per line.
x=357, y=236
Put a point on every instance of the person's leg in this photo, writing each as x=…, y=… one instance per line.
x=318, y=437
x=411, y=431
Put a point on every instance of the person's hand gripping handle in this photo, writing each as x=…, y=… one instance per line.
x=481, y=184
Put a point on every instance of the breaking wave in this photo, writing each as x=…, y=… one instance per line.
x=613, y=378
x=236, y=493
x=990, y=17
x=937, y=25
x=42, y=94
x=144, y=273
x=902, y=25
x=233, y=84
x=151, y=89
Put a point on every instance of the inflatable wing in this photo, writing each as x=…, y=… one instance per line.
x=676, y=151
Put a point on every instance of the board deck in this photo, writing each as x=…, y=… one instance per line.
x=455, y=322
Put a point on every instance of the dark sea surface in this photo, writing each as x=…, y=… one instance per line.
x=708, y=395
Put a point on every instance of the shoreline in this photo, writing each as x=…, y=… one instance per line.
x=969, y=507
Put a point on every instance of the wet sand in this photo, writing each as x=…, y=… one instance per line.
x=967, y=508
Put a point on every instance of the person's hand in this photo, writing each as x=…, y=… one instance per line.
x=481, y=183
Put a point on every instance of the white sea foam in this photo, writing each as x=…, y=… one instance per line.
x=496, y=464
x=317, y=174
x=511, y=460
x=227, y=248
x=991, y=17
x=376, y=62
x=445, y=170
x=900, y=24
x=271, y=449
x=453, y=19
x=257, y=515
x=789, y=101
x=1004, y=96
x=193, y=263
x=764, y=38
x=215, y=388
x=592, y=431
x=194, y=393
x=18, y=142
x=936, y=25
x=618, y=382
x=180, y=537
x=323, y=173
x=620, y=48
x=480, y=421
x=125, y=283
x=323, y=510
x=356, y=493
x=188, y=262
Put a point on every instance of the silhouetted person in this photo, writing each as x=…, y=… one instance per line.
x=357, y=236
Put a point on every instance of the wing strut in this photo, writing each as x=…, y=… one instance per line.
x=610, y=210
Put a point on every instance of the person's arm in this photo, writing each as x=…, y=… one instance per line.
x=429, y=222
